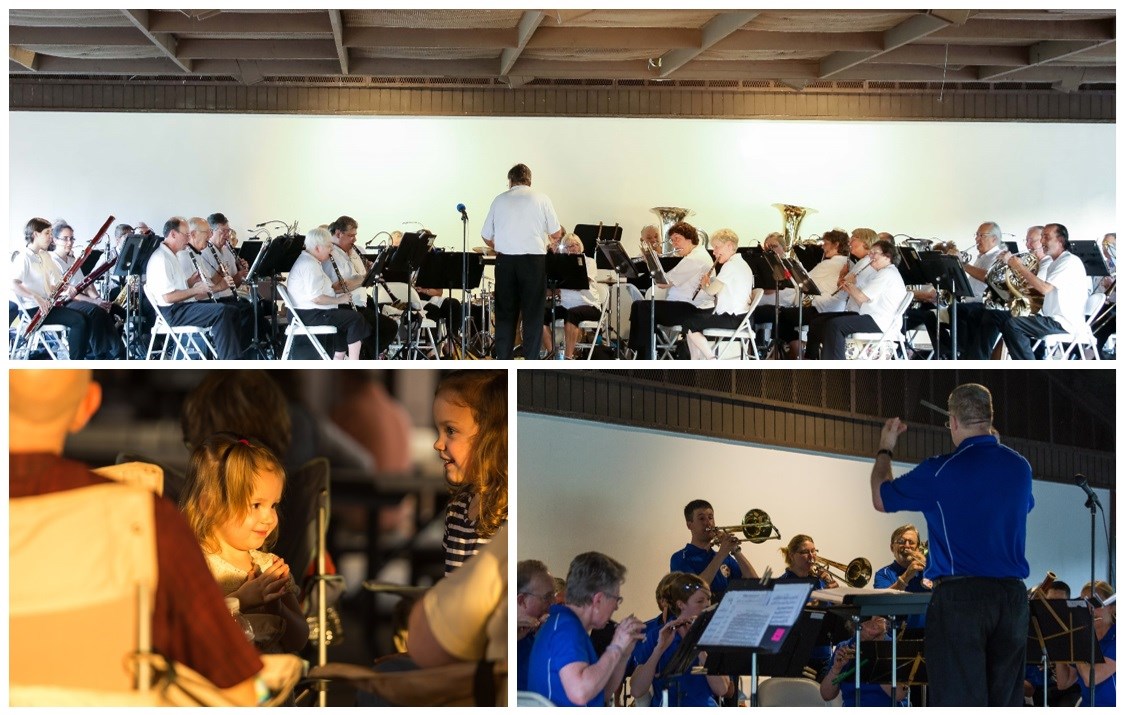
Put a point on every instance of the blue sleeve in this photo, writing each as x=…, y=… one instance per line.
x=735, y=568
x=884, y=578
x=912, y=491
x=679, y=562
x=569, y=647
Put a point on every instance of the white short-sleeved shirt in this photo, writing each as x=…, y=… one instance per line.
x=64, y=264
x=348, y=269
x=737, y=284
x=307, y=281
x=983, y=262
x=519, y=221
x=1066, y=303
x=829, y=303
x=886, y=291
x=206, y=268
x=164, y=275
x=825, y=275
x=37, y=272
x=686, y=277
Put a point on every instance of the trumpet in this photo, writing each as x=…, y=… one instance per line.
x=855, y=573
x=756, y=527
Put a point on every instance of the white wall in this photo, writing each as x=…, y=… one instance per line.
x=584, y=486
x=924, y=179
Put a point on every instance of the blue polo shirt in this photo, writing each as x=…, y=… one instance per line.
x=523, y=653
x=693, y=559
x=561, y=640
x=975, y=501
x=888, y=575
x=1106, y=690
x=682, y=691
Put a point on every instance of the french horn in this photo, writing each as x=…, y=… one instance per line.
x=1018, y=298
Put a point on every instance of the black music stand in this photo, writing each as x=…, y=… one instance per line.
x=91, y=262
x=1090, y=254
x=946, y=273
x=132, y=261
x=248, y=251
x=592, y=235
x=809, y=255
x=656, y=269
x=615, y=258
x=276, y=256
x=804, y=285
x=894, y=664
x=408, y=258
x=753, y=618
x=452, y=271
x=563, y=271
x=881, y=603
x=1061, y=631
x=780, y=277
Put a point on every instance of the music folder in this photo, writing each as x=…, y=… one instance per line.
x=566, y=271
x=617, y=259
x=1061, y=629
x=91, y=262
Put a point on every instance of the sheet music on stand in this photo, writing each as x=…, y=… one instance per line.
x=756, y=618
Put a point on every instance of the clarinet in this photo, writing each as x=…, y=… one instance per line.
x=195, y=262
x=339, y=277
x=221, y=268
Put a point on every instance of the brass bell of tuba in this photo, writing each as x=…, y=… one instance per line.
x=792, y=216
x=669, y=216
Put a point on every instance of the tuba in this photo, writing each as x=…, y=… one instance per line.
x=669, y=216
x=793, y=215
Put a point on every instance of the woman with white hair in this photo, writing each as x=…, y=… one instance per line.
x=573, y=306
x=730, y=287
x=316, y=301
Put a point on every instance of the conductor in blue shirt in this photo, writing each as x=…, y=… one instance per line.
x=975, y=501
x=714, y=563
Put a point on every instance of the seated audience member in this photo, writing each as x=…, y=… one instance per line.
x=565, y=669
x=190, y=623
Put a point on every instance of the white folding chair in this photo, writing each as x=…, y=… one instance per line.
x=51, y=338
x=790, y=692
x=744, y=335
x=881, y=346
x=617, y=306
x=1060, y=346
x=297, y=327
x=186, y=342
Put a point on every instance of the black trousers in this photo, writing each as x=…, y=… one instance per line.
x=384, y=325
x=77, y=329
x=1019, y=334
x=520, y=288
x=573, y=316
x=668, y=312
x=975, y=642
x=827, y=334
x=789, y=317
x=449, y=313
x=350, y=326
x=104, y=344
x=221, y=318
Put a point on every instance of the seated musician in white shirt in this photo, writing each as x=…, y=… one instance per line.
x=683, y=297
x=316, y=300
x=570, y=305
x=730, y=287
x=826, y=277
x=104, y=342
x=346, y=270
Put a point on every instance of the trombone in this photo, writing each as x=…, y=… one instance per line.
x=856, y=573
x=756, y=527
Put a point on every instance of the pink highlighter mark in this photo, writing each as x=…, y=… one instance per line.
x=778, y=635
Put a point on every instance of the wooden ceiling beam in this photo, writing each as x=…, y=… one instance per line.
x=715, y=30
x=424, y=68
x=903, y=33
x=24, y=58
x=377, y=37
x=1001, y=55
x=257, y=49
x=1025, y=31
x=74, y=65
x=1043, y=53
x=249, y=70
x=244, y=23
x=336, y=18
x=165, y=43
x=528, y=24
x=753, y=40
x=615, y=38
x=102, y=37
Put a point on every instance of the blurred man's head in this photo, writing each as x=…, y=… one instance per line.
x=46, y=405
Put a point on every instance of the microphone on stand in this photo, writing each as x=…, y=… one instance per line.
x=1081, y=481
x=464, y=213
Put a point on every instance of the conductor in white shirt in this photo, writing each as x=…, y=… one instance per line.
x=517, y=227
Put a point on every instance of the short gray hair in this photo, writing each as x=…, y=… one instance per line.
x=591, y=573
x=317, y=238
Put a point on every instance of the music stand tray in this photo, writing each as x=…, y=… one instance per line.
x=566, y=271
x=1090, y=254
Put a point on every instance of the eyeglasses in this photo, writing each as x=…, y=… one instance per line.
x=620, y=599
x=808, y=552
x=948, y=423
x=905, y=542
x=548, y=596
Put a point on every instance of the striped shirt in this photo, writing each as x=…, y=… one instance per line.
x=461, y=540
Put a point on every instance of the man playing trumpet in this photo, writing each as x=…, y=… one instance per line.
x=907, y=571
x=715, y=566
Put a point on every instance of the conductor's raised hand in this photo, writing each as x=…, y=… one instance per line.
x=893, y=428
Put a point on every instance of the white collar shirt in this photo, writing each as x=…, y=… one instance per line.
x=307, y=281
x=519, y=221
x=164, y=275
x=1066, y=303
